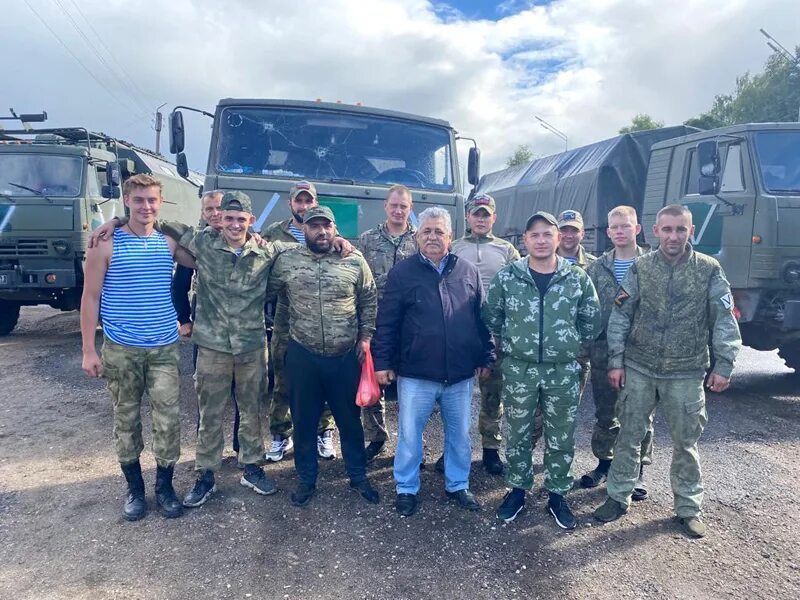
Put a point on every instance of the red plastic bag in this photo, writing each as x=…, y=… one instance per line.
x=369, y=392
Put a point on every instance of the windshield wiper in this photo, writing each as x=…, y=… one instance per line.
x=30, y=189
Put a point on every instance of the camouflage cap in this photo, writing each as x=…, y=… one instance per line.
x=319, y=212
x=482, y=201
x=300, y=187
x=544, y=216
x=236, y=201
x=570, y=218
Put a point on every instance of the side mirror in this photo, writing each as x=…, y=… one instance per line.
x=474, y=166
x=176, y=132
x=200, y=192
x=181, y=165
x=110, y=191
x=113, y=175
x=709, y=167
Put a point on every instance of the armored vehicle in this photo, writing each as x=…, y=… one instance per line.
x=742, y=184
x=352, y=153
x=56, y=185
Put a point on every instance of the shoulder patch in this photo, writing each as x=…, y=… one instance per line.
x=621, y=296
x=727, y=301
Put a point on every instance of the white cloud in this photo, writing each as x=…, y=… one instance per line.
x=613, y=58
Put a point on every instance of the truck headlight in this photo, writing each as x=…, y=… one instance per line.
x=791, y=273
x=61, y=246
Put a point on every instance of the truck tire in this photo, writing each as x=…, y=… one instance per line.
x=9, y=315
x=790, y=353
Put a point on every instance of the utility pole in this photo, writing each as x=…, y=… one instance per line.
x=776, y=46
x=159, y=122
x=554, y=131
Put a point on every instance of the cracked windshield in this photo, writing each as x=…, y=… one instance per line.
x=308, y=144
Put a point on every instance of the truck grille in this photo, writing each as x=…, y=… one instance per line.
x=23, y=247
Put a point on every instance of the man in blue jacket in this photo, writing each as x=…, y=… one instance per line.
x=431, y=337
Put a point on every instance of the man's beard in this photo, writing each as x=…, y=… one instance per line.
x=297, y=218
x=316, y=248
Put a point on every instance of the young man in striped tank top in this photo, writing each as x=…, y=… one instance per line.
x=131, y=273
x=606, y=274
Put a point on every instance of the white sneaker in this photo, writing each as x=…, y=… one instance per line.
x=280, y=446
x=325, y=447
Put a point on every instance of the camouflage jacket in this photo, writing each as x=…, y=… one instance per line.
x=664, y=316
x=229, y=316
x=583, y=259
x=382, y=251
x=601, y=272
x=332, y=300
x=488, y=253
x=542, y=329
x=279, y=232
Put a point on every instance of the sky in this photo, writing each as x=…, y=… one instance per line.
x=585, y=66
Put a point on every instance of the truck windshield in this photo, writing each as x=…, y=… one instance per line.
x=27, y=174
x=779, y=161
x=322, y=145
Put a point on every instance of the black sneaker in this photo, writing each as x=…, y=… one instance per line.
x=465, y=499
x=492, y=462
x=406, y=504
x=558, y=507
x=512, y=505
x=366, y=490
x=204, y=486
x=255, y=479
x=303, y=494
x=373, y=449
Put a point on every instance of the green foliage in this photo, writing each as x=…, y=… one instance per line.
x=522, y=155
x=641, y=122
x=771, y=96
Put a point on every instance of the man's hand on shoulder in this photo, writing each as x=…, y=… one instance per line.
x=342, y=246
x=104, y=232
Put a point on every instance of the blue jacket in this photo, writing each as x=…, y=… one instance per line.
x=429, y=325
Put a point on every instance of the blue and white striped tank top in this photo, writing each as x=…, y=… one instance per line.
x=136, y=304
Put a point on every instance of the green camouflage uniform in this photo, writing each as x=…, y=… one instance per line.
x=230, y=333
x=606, y=426
x=489, y=254
x=584, y=260
x=382, y=252
x=130, y=372
x=280, y=418
x=659, y=331
x=541, y=338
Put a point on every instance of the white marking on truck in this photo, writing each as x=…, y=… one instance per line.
x=265, y=213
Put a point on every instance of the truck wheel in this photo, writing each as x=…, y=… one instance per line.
x=9, y=315
x=790, y=353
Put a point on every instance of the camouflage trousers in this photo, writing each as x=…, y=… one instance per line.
x=606, y=424
x=555, y=390
x=130, y=372
x=280, y=418
x=215, y=373
x=684, y=405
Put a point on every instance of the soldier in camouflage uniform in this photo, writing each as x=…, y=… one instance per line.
x=670, y=303
x=383, y=247
x=606, y=274
x=332, y=308
x=543, y=310
x=489, y=254
x=302, y=196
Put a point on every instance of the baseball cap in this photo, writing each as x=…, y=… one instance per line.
x=302, y=186
x=236, y=201
x=571, y=218
x=484, y=201
x=545, y=216
x=319, y=212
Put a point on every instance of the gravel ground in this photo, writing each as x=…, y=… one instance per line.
x=62, y=535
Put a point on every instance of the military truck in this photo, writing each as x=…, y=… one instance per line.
x=56, y=185
x=742, y=184
x=352, y=153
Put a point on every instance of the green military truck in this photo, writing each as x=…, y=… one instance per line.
x=742, y=184
x=352, y=153
x=56, y=185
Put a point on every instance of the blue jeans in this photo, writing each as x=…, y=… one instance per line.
x=415, y=399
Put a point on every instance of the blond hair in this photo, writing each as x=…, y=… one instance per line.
x=142, y=180
x=623, y=211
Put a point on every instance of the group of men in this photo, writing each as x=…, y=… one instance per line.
x=436, y=314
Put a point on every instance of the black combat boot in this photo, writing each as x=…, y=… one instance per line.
x=168, y=503
x=135, y=504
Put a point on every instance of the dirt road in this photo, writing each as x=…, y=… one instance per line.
x=61, y=534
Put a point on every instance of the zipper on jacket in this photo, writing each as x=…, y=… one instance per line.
x=541, y=324
x=319, y=296
x=664, y=332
